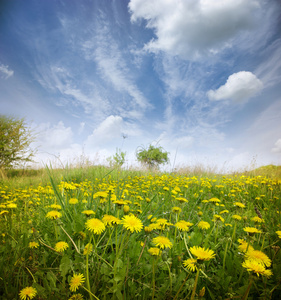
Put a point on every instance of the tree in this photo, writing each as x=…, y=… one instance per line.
x=15, y=140
x=118, y=159
x=153, y=156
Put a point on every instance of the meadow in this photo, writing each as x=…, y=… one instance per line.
x=118, y=234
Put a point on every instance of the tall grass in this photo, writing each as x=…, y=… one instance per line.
x=134, y=234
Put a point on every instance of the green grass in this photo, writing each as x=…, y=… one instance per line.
x=120, y=265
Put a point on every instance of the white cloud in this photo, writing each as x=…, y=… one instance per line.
x=6, y=72
x=277, y=148
x=108, y=131
x=54, y=138
x=239, y=87
x=192, y=28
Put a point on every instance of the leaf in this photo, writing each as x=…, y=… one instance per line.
x=65, y=265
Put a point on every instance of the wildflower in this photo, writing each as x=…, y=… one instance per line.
x=183, y=225
x=61, y=246
x=76, y=281
x=176, y=209
x=239, y=204
x=154, y=251
x=243, y=247
x=203, y=225
x=95, y=225
x=214, y=200
x=109, y=220
x=33, y=245
x=11, y=205
x=4, y=212
x=252, y=230
x=259, y=256
x=257, y=219
x=88, y=249
x=278, y=233
x=201, y=253
x=218, y=218
x=73, y=201
x=55, y=206
x=53, y=214
x=88, y=212
x=190, y=264
x=132, y=223
x=254, y=266
x=202, y=292
x=237, y=217
x=76, y=297
x=224, y=212
x=126, y=208
x=162, y=242
x=28, y=293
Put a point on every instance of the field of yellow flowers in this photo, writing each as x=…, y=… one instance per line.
x=142, y=237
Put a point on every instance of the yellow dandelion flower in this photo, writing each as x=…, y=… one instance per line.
x=257, y=219
x=278, y=233
x=243, y=247
x=3, y=212
x=214, y=200
x=201, y=253
x=88, y=212
x=28, y=293
x=73, y=201
x=132, y=223
x=259, y=256
x=76, y=297
x=162, y=242
x=95, y=225
x=203, y=225
x=154, y=251
x=55, y=206
x=256, y=267
x=176, y=209
x=218, y=218
x=76, y=281
x=11, y=205
x=190, y=264
x=183, y=225
x=61, y=246
x=33, y=245
x=53, y=214
x=224, y=212
x=237, y=217
x=252, y=230
x=110, y=220
x=126, y=208
x=88, y=249
x=239, y=204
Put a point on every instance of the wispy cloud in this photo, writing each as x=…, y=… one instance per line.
x=6, y=72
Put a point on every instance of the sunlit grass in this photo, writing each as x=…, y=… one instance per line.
x=116, y=234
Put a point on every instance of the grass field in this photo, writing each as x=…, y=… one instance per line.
x=99, y=233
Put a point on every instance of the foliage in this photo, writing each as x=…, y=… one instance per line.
x=118, y=159
x=153, y=156
x=15, y=140
x=52, y=237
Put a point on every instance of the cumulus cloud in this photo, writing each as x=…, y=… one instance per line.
x=6, y=72
x=192, y=28
x=110, y=129
x=53, y=138
x=239, y=87
x=277, y=148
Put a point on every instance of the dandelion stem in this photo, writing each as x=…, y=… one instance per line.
x=195, y=285
x=87, y=270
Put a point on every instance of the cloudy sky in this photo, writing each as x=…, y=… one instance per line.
x=202, y=78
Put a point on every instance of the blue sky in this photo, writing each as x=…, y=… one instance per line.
x=200, y=78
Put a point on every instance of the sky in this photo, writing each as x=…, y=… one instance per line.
x=200, y=78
